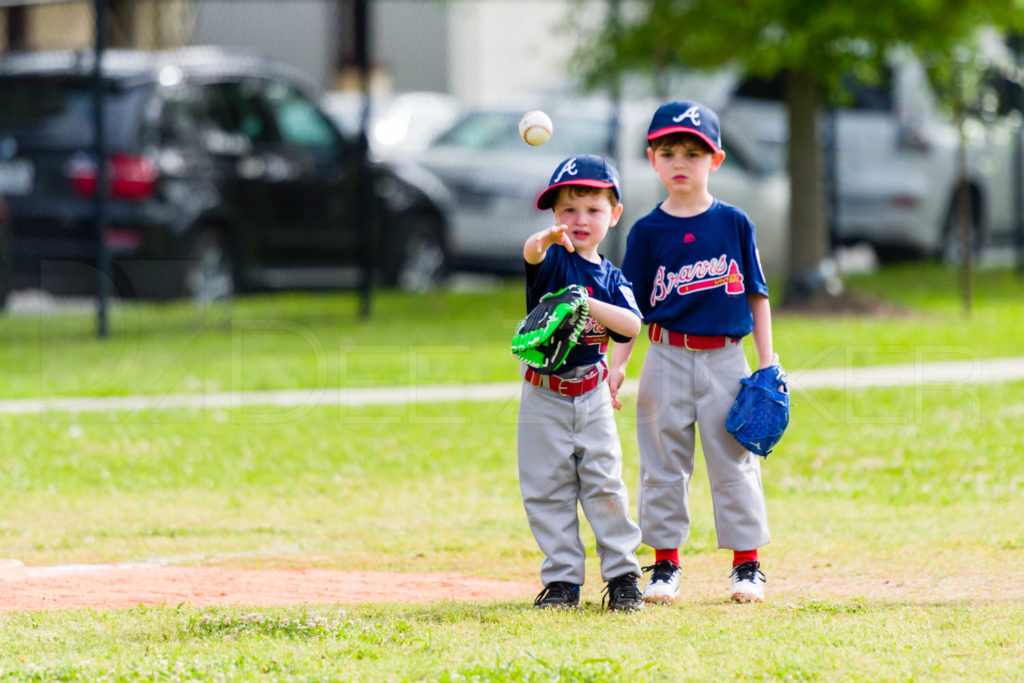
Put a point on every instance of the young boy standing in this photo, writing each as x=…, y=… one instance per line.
x=568, y=444
x=697, y=276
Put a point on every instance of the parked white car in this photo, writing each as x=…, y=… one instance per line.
x=400, y=123
x=494, y=178
x=897, y=163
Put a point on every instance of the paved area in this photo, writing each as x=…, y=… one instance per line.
x=974, y=371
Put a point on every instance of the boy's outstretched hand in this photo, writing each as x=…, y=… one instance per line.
x=538, y=244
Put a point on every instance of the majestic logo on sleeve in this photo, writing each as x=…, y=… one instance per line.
x=698, y=277
x=569, y=167
x=693, y=113
x=627, y=293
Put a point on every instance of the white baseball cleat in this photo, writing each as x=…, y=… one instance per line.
x=748, y=582
x=663, y=588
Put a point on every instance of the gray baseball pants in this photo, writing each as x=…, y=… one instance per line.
x=569, y=451
x=678, y=389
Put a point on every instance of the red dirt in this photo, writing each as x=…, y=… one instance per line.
x=115, y=587
x=119, y=587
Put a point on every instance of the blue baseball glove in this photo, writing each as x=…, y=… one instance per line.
x=760, y=413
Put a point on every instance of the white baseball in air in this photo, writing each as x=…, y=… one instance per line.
x=535, y=127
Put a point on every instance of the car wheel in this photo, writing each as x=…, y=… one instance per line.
x=209, y=272
x=422, y=262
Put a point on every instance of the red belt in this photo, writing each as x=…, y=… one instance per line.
x=568, y=387
x=693, y=342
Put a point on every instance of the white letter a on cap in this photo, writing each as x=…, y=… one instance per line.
x=568, y=167
x=693, y=113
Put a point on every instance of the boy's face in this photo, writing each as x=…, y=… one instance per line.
x=588, y=216
x=684, y=167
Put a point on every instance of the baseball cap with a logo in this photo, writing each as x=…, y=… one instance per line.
x=687, y=117
x=590, y=170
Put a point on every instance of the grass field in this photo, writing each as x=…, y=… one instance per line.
x=290, y=340
x=896, y=513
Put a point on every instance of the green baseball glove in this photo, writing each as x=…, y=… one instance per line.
x=548, y=333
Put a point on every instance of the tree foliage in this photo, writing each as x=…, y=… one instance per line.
x=814, y=45
x=827, y=38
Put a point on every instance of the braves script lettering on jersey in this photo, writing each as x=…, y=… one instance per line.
x=696, y=277
x=692, y=274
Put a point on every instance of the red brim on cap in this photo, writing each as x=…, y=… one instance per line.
x=662, y=132
x=545, y=194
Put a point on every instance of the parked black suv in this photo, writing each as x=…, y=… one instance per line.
x=225, y=175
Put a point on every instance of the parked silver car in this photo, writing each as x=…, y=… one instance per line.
x=494, y=178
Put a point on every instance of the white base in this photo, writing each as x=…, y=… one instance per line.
x=11, y=570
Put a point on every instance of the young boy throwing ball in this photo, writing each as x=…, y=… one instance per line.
x=696, y=272
x=568, y=444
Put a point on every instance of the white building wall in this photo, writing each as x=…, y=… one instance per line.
x=476, y=50
x=299, y=32
x=410, y=43
x=501, y=47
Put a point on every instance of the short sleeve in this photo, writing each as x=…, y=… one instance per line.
x=621, y=294
x=539, y=277
x=633, y=272
x=753, y=273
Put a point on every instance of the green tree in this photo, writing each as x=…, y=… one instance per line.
x=812, y=45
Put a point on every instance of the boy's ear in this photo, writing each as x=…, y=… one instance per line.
x=616, y=215
x=717, y=158
x=650, y=156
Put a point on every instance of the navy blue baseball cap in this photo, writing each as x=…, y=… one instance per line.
x=687, y=117
x=590, y=170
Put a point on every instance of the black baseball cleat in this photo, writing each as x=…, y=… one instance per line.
x=558, y=594
x=623, y=594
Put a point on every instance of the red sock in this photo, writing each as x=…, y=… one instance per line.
x=741, y=556
x=672, y=555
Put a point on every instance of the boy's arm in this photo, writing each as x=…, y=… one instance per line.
x=624, y=322
x=762, y=312
x=621, y=351
x=615, y=318
x=537, y=244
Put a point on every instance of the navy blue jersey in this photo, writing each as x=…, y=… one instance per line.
x=603, y=281
x=693, y=274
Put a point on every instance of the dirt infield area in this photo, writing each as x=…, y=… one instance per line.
x=113, y=587
x=125, y=586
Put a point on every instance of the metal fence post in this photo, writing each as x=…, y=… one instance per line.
x=102, y=176
x=367, y=219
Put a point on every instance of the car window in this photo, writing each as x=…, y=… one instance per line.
x=857, y=93
x=236, y=108
x=182, y=116
x=868, y=95
x=298, y=120
x=499, y=131
x=234, y=117
x=759, y=88
x=481, y=131
x=59, y=111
